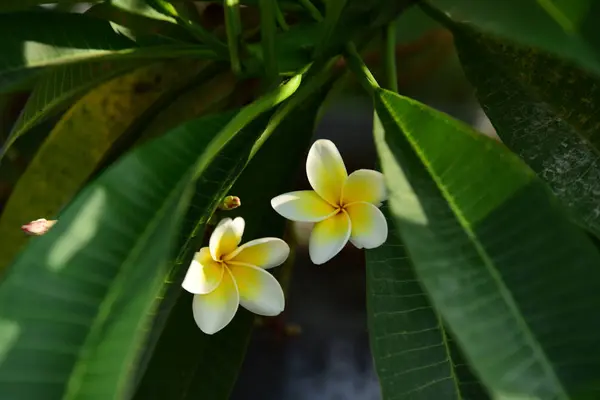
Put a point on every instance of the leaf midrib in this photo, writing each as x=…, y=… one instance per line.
x=487, y=261
x=447, y=348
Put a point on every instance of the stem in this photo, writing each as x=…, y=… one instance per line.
x=233, y=26
x=204, y=36
x=182, y=15
x=312, y=10
x=389, y=55
x=268, y=29
x=332, y=15
x=360, y=70
x=281, y=18
x=315, y=82
x=243, y=118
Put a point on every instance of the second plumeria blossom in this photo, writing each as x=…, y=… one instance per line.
x=344, y=207
x=225, y=275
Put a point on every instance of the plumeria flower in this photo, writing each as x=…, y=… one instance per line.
x=224, y=275
x=344, y=207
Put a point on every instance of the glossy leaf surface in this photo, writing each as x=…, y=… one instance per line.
x=515, y=280
x=544, y=110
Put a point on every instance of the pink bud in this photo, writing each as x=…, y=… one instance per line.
x=38, y=227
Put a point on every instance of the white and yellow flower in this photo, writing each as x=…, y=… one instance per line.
x=344, y=207
x=225, y=275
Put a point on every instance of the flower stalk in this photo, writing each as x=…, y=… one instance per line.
x=233, y=27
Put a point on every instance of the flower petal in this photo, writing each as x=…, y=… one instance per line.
x=204, y=273
x=264, y=253
x=302, y=206
x=326, y=170
x=364, y=185
x=213, y=311
x=226, y=237
x=328, y=238
x=369, y=227
x=260, y=292
x=357, y=245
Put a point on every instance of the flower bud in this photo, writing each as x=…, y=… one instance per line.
x=38, y=227
x=229, y=203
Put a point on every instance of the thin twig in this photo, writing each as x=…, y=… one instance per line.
x=268, y=28
x=360, y=70
x=281, y=18
x=312, y=10
x=233, y=26
x=391, y=75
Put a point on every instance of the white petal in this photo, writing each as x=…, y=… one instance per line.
x=302, y=206
x=213, y=311
x=264, y=253
x=328, y=238
x=326, y=171
x=260, y=292
x=369, y=227
x=238, y=227
x=364, y=185
x=204, y=273
x=226, y=237
x=357, y=245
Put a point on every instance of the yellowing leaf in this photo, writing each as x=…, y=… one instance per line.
x=79, y=143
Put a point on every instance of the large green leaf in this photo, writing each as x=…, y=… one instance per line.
x=37, y=39
x=517, y=283
x=413, y=353
x=72, y=319
x=544, y=110
x=188, y=364
x=564, y=27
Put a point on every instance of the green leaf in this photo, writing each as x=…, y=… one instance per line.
x=79, y=143
x=186, y=363
x=544, y=110
x=16, y=5
x=103, y=264
x=57, y=88
x=413, y=353
x=517, y=283
x=564, y=27
x=37, y=39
